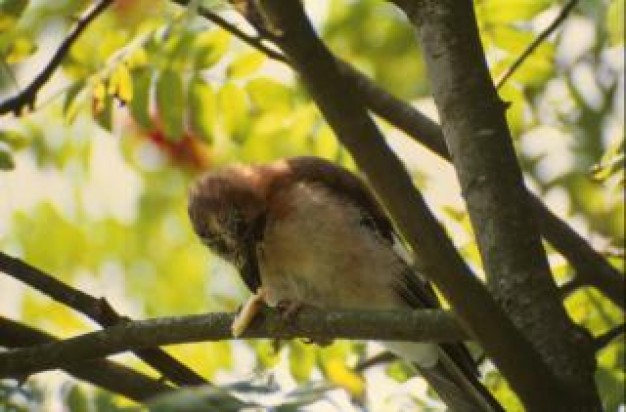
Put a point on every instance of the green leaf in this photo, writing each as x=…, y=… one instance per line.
x=206, y=398
x=615, y=21
x=6, y=161
x=202, y=108
x=301, y=361
x=71, y=105
x=233, y=109
x=399, y=371
x=210, y=47
x=140, y=103
x=170, y=101
x=10, y=12
x=77, y=400
x=104, y=116
x=268, y=94
x=14, y=139
x=245, y=65
x=20, y=48
x=493, y=12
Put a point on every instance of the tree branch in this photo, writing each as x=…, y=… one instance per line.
x=535, y=43
x=423, y=325
x=26, y=98
x=603, y=340
x=340, y=104
x=105, y=374
x=587, y=262
x=479, y=140
x=100, y=312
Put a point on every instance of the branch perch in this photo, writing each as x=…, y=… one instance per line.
x=100, y=312
x=105, y=374
x=423, y=325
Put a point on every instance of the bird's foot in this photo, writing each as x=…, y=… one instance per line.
x=289, y=309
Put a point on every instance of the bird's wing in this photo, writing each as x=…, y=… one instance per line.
x=248, y=262
x=412, y=288
x=343, y=184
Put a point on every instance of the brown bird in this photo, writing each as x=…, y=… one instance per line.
x=304, y=231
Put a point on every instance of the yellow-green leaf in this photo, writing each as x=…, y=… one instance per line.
x=210, y=47
x=120, y=83
x=233, y=110
x=140, y=104
x=19, y=49
x=14, y=139
x=246, y=64
x=6, y=160
x=170, y=101
x=202, y=108
x=301, y=361
x=615, y=21
x=268, y=94
x=71, y=105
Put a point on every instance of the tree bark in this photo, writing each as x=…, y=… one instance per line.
x=508, y=238
x=424, y=325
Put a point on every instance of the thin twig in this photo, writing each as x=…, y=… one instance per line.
x=26, y=98
x=100, y=311
x=105, y=374
x=383, y=357
x=538, y=40
x=418, y=325
x=571, y=286
x=603, y=340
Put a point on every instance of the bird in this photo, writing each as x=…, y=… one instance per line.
x=304, y=231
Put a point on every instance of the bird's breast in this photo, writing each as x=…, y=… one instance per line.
x=316, y=251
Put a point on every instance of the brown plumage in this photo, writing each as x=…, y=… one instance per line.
x=309, y=232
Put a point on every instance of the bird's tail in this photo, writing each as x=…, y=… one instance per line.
x=459, y=390
x=451, y=372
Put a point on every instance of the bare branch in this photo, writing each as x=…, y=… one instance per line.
x=423, y=325
x=603, y=340
x=569, y=287
x=105, y=374
x=97, y=310
x=587, y=262
x=26, y=98
x=538, y=40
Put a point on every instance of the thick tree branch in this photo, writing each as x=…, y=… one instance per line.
x=105, y=374
x=587, y=262
x=423, y=325
x=508, y=238
x=341, y=106
x=535, y=43
x=97, y=310
x=603, y=340
x=26, y=98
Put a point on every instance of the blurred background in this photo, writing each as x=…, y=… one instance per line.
x=94, y=181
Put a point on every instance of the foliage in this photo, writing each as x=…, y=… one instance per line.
x=93, y=182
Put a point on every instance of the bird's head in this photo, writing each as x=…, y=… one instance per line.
x=223, y=206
